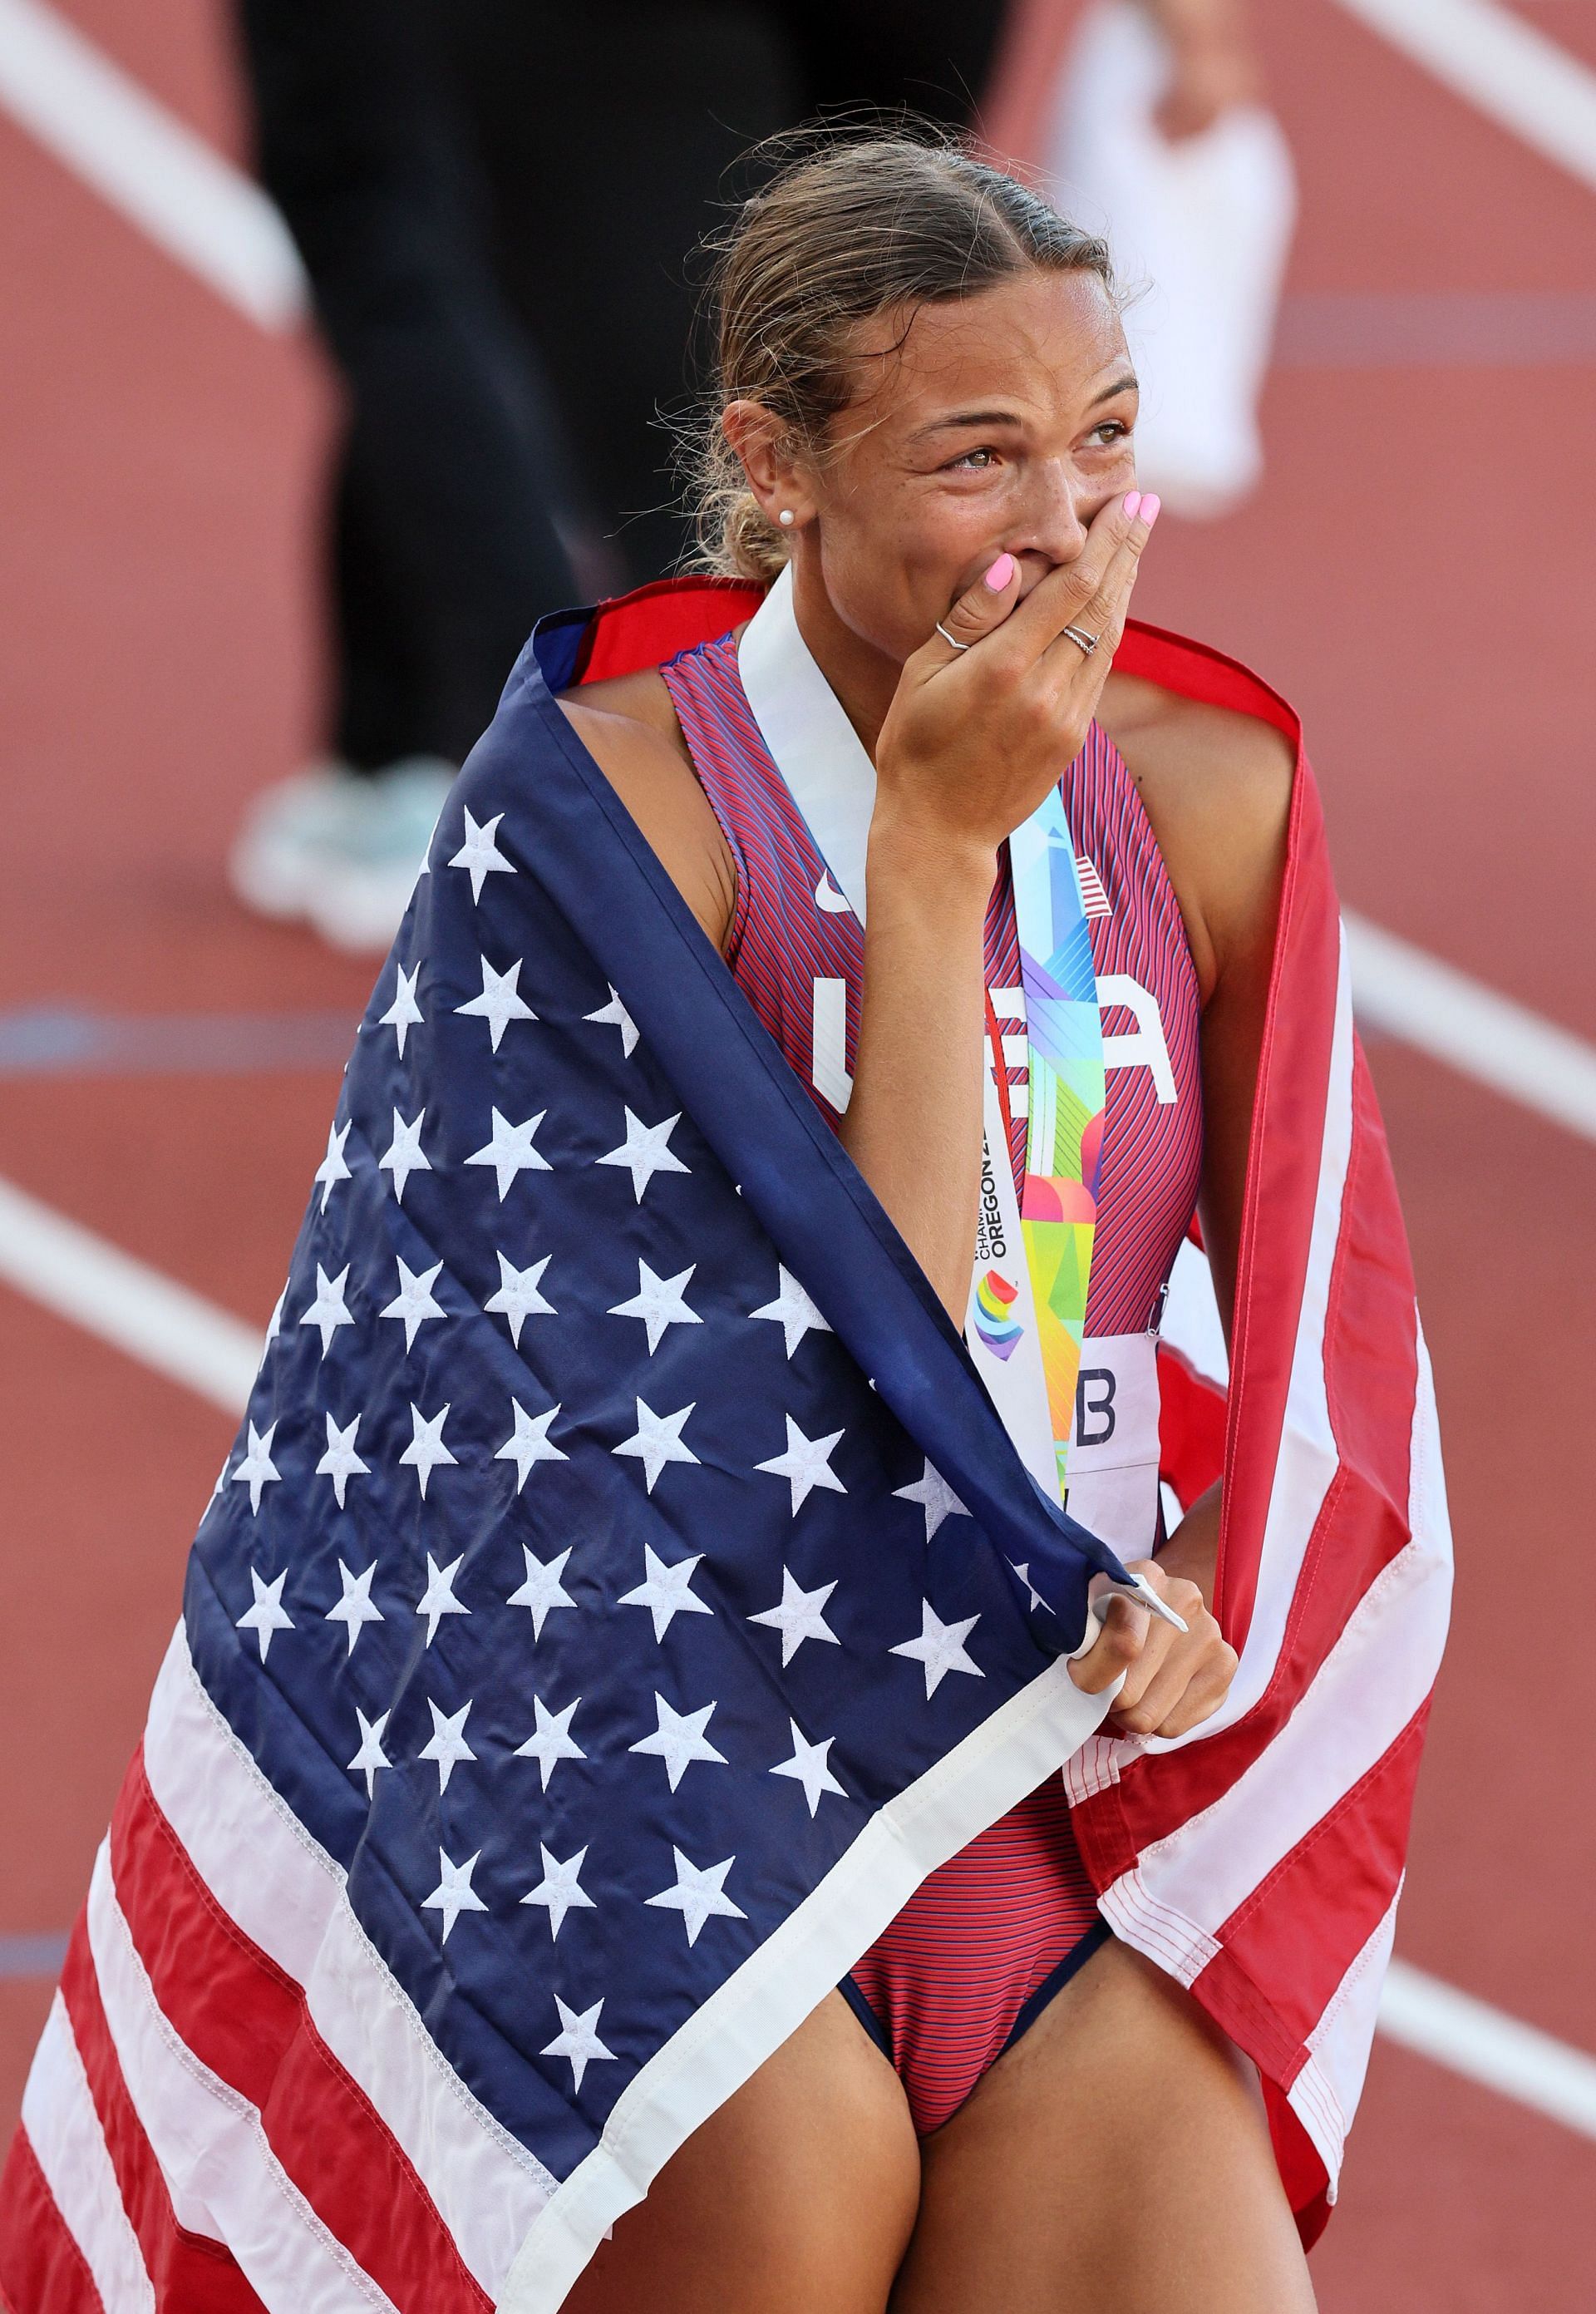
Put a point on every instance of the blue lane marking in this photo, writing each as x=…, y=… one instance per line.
x=71, y=1040
x=31, y=1955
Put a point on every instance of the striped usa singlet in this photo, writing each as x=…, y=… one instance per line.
x=985, y=1942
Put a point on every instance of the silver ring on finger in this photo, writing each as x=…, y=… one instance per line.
x=953, y=642
x=1082, y=641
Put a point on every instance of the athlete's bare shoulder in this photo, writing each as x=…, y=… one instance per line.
x=1217, y=788
x=629, y=726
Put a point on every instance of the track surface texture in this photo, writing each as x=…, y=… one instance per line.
x=1417, y=574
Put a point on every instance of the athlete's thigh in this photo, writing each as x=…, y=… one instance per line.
x=799, y=2195
x=1115, y=2161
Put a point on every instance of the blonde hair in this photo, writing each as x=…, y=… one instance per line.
x=864, y=226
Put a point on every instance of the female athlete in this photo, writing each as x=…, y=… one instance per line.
x=927, y=418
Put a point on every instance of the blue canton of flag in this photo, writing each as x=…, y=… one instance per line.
x=620, y=1573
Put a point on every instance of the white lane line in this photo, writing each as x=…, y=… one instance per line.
x=146, y=163
x=1485, y=2045
x=1501, y=65
x=96, y=1285
x=1442, y=1011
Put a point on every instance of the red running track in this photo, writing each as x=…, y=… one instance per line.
x=1416, y=575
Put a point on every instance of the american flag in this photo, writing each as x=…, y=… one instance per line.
x=621, y=1592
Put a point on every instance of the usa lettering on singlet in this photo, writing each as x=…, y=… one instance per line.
x=805, y=817
x=1114, y=1445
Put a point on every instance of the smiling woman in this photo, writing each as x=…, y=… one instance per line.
x=923, y=443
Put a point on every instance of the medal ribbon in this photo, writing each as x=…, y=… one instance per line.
x=1058, y=1203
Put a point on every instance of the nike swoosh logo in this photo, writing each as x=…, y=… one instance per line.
x=828, y=899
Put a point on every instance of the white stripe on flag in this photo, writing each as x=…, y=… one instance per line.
x=64, y=2132
x=287, y=1895
x=1366, y=1692
x=1328, y=2088
x=210, y=2142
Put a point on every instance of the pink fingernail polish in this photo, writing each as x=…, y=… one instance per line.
x=1001, y=573
x=1150, y=505
x=1132, y=503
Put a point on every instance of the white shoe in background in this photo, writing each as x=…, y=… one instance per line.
x=341, y=851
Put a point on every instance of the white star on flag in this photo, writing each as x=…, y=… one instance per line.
x=453, y=1894
x=414, y=1301
x=426, y=1451
x=509, y=1151
x=559, y=1889
x=698, y=1894
x=481, y=854
x=438, y=1599
x=543, y=1590
x=804, y=1464
x=328, y=1311
x=1036, y=1602
x=406, y=1156
x=792, y=1310
x=404, y=1013
x=658, y=1302
x=577, y=2039
x=500, y=1001
x=257, y=1469
x=446, y=1745
x=615, y=1015
x=940, y=1649
x=529, y=1442
x=371, y=1755
x=517, y=1298
x=679, y=1740
x=644, y=1151
x=665, y=1591
x=552, y=1740
x=656, y=1441
x=799, y=1617
x=268, y=1614
x=935, y=1496
x=809, y=1767
x=356, y=1606
x=332, y=1168
x=340, y=1463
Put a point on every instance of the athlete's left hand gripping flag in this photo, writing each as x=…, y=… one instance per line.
x=608, y=1613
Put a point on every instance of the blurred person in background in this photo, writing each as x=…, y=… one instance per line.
x=1146, y=118
x=442, y=540
x=490, y=201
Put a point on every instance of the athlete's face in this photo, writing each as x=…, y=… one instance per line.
x=1003, y=423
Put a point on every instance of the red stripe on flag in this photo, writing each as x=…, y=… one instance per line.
x=42, y=2270
x=1283, y=1174
x=247, y=2021
x=190, y=2273
x=1300, y=1931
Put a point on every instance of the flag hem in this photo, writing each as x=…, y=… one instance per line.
x=1026, y=1740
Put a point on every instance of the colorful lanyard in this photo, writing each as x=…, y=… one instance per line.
x=1033, y=1254
x=1058, y=1203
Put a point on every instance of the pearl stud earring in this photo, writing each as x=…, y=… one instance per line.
x=786, y=517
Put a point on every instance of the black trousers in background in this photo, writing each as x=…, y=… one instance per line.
x=443, y=545
x=496, y=201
